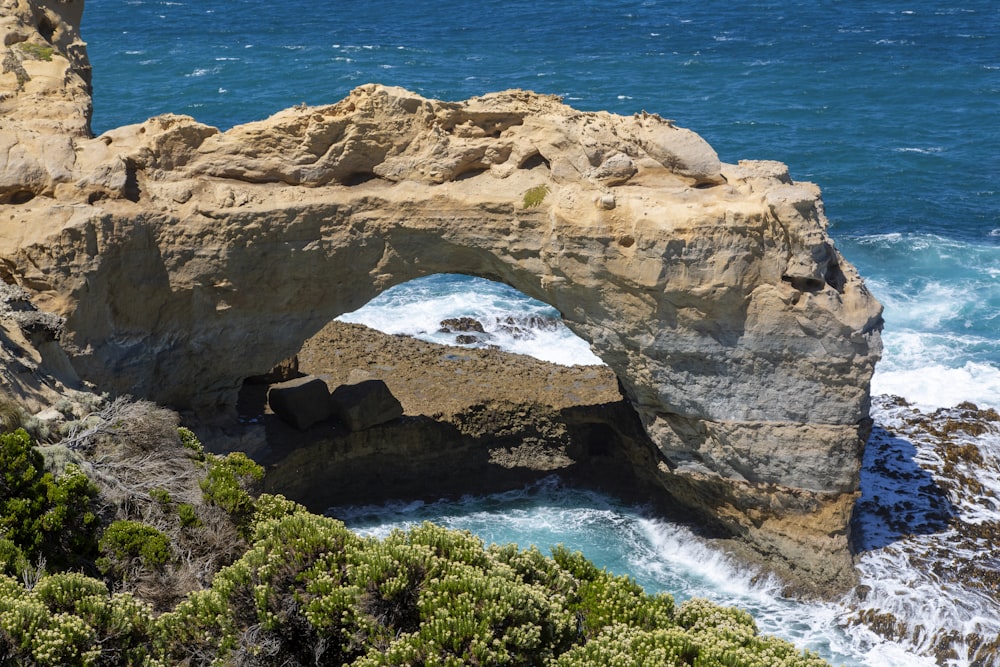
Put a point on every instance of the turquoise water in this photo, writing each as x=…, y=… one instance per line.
x=892, y=107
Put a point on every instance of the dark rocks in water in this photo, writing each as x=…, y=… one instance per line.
x=465, y=324
x=466, y=339
x=522, y=327
x=365, y=404
x=302, y=402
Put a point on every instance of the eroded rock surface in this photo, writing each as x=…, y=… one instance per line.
x=185, y=259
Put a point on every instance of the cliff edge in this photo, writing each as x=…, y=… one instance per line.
x=184, y=259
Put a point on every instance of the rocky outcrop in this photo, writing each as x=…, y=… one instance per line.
x=185, y=259
x=476, y=421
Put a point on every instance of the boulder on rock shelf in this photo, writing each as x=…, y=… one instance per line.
x=301, y=402
x=365, y=404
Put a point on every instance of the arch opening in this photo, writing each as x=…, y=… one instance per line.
x=472, y=312
x=476, y=418
x=423, y=330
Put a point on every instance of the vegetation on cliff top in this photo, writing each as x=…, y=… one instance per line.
x=173, y=559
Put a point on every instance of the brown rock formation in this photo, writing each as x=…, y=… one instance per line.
x=476, y=421
x=185, y=259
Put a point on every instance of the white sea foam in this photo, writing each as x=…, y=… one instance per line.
x=913, y=149
x=935, y=386
x=942, y=301
x=510, y=320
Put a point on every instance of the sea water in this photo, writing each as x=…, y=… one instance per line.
x=892, y=107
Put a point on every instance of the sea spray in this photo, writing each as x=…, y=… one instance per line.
x=508, y=319
x=942, y=315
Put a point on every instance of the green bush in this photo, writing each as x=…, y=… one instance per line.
x=188, y=516
x=70, y=619
x=42, y=516
x=626, y=646
x=309, y=591
x=161, y=496
x=124, y=541
x=191, y=442
x=535, y=196
x=228, y=483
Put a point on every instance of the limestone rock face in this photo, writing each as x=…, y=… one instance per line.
x=185, y=259
x=44, y=95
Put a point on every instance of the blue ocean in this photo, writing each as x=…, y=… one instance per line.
x=892, y=107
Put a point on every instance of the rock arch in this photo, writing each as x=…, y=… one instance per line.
x=185, y=259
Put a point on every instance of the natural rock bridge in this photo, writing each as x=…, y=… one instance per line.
x=185, y=259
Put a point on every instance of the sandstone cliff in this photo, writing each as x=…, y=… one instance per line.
x=185, y=259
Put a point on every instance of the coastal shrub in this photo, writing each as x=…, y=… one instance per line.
x=228, y=484
x=535, y=196
x=42, y=516
x=728, y=636
x=191, y=442
x=161, y=496
x=188, y=516
x=310, y=591
x=149, y=471
x=272, y=507
x=437, y=596
x=260, y=605
x=71, y=619
x=603, y=599
x=126, y=541
x=625, y=646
